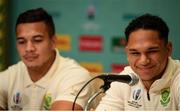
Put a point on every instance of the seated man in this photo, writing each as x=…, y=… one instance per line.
x=43, y=79
x=148, y=52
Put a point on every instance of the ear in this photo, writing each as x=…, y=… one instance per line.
x=169, y=48
x=54, y=41
x=126, y=49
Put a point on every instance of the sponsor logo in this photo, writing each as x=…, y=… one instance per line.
x=93, y=67
x=63, y=42
x=92, y=43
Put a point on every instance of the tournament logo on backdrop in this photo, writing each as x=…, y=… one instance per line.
x=165, y=97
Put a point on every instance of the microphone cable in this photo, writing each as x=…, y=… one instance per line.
x=73, y=107
x=104, y=87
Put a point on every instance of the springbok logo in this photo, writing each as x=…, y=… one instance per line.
x=47, y=101
x=165, y=97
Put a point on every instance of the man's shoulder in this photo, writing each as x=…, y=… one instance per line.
x=10, y=76
x=70, y=67
x=69, y=63
x=174, y=65
x=14, y=67
x=67, y=60
x=127, y=70
x=175, y=62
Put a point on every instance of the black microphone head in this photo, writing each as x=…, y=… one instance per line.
x=134, y=79
x=131, y=79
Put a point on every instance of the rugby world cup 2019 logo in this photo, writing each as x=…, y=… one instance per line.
x=17, y=100
x=135, y=97
x=136, y=94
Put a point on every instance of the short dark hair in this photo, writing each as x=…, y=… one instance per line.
x=37, y=15
x=148, y=21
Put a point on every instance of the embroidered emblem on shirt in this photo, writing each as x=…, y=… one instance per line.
x=165, y=97
x=47, y=101
x=17, y=98
x=136, y=95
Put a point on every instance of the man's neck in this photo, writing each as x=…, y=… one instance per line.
x=148, y=83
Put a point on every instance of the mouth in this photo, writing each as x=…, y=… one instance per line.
x=146, y=69
x=30, y=57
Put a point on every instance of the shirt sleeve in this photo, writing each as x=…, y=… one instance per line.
x=3, y=89
x=176, y=90
x=70, y=86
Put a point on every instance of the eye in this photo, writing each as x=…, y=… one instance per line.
x=152, y=51
x=134, y=53
x=21, y=41
x=38, y=39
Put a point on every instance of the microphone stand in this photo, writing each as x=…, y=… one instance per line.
x=73, y=106
x=103, y=89
x=92, y=98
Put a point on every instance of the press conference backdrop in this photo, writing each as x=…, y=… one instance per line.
x=92, y=31
x=3, y=33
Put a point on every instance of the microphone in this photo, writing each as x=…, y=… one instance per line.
x=130, y=79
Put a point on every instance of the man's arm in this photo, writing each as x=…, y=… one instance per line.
x=4, y=79
x=1, y=108
x=65, y=105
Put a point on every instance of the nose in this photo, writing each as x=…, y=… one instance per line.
x=144, y=59
x=30, y=47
